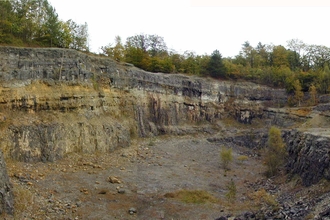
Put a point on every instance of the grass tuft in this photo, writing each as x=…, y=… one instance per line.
x=192, y=196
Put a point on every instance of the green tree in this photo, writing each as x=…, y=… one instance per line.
x=312, y=95
x=138, y=41
x=81, y=37
x=66, y=38
x=275, y=151
x=293, y=60
x=324, y=80
x=249, y=54
x=136, y=56
x=233, y=70
x=298, y=93
x=156, y=45
x=52, y=32
x=177, y=61
x=296, y=47
x=215, y=67
x=116, y=52
x=280, y=56
x=7, y=18
x=190, y=64
x=262, y=56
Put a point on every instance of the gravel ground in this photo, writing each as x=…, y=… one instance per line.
x=78, y=187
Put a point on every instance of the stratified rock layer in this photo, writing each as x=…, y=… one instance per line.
x=58, y=101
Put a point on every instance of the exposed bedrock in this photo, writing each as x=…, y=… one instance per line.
x=309, y=156
x=67, y=100
x=6, y=194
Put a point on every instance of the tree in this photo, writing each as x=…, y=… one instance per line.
x=138, y=41
x=294, y=60
x=312, y=95
x=116, y=52
x=66, y=39
x=296, y=45
x=136, y=56
x=249, y=53
x=81, y=37
x=297, y=51
x=190, y=64
x=215, y=67
x=298, y=93
x=52, y=32
x=157, y=45
x=262, y=56
x=324, y=80
x=35, y=22
x=280, y=56
x=177, y=61
x=275, y=151
x=232, y=69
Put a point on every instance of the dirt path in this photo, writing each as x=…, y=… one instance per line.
x=78, y=186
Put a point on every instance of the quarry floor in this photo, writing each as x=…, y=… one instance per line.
x=146, y=178
x=78, y=187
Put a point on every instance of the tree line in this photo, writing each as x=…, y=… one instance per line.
x=298, y=65
x=36, y=23
x=150, y=53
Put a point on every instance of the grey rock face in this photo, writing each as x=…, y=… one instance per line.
x=6, y=194
x=109, y=102
x=309, y=156
x=48, y=142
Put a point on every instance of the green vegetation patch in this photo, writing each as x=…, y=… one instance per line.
x=192, y=196
x=226, y=157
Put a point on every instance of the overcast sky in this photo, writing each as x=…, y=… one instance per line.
x=201, y=25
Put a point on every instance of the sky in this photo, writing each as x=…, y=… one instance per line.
x=201, y=26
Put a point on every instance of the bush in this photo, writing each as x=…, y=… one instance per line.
x=192, y=196
x=231, y=194
x=261, y=198
x=226, y=156
x=275, y=152
x=241, y=159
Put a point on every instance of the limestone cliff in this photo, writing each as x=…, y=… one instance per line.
x=56, y=101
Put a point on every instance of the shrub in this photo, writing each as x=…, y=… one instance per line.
x=24, y=201
x=261, y=197
x=231, y=194
x=275, y=152
x=241, y=159
x=192, y=196
x=226, y=156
